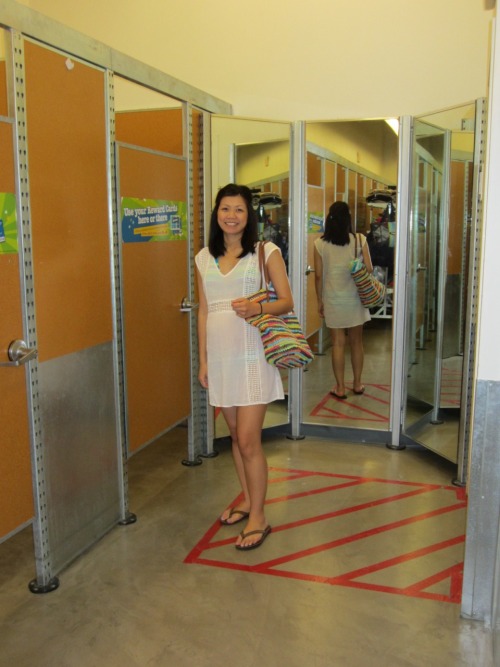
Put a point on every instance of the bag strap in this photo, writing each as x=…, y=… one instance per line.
x=264, y=273
x=356, y=248
x=261, y=261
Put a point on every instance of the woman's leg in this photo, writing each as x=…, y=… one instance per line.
x=357, y=356
x=249, y=421
x=230, y=417
x=338, y=359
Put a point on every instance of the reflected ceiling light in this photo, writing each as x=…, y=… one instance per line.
x=268, y=200
x=393, y=124
x=383, y=199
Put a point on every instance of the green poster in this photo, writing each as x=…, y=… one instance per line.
x=314, y=222
x=153, y=220
x=8, y=223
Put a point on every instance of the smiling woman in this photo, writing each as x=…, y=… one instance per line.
x=232, y=365
x=256, y=153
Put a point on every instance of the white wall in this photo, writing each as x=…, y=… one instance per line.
x=226, y=132
x=489, y=321
x=321, y=60
x=372, y=145
x=262, y=162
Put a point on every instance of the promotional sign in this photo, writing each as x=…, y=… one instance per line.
x=314, y=222
x=8, y=223
x=153, y=220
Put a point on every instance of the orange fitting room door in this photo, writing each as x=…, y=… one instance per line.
x=154, y=276
x=16, y=497
x=75, y=440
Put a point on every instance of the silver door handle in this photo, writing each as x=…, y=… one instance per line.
x=187, y=306
x=19, y=353
x=421, y=268
x=309, y=270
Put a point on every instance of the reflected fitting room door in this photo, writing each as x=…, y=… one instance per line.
x=443, y=256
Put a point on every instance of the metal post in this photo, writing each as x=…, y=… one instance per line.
x=444, y=224
x=118, y=334
x=401, y=283
x=298, y=254
x=45, y=580
x=464, y=430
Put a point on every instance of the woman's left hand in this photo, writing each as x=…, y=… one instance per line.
x=245, y=308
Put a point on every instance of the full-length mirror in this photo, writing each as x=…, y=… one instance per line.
x=257, y=154
x=355, y=162
x=442, y=192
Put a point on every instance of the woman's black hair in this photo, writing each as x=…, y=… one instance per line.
x=338, y=224
x=250, y=233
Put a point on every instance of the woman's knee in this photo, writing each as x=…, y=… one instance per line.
x=249, y=445
x=338, y=341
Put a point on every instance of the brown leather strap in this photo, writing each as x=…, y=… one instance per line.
x=263, y=267
x=360, y=247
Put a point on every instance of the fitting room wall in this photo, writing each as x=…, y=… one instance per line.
x=373, y=146
x=489, y=362
x=327, y=59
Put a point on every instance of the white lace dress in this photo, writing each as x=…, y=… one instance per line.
x=238, y=373
x=342, y=305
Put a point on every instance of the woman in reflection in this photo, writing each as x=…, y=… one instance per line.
x=232, y=363
x=338, y=299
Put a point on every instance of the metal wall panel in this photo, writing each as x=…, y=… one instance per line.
x=452, y=323
x=484, y=494
x=81, y=459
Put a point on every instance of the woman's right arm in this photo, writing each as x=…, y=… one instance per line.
x=318, y=280
x=202, y=332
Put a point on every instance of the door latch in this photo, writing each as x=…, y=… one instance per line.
x=19, y=353
x=187, y=306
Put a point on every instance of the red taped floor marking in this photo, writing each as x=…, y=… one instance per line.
x=397, y=560
x=345, y=511
x=449, y=574
x=353, y=538
x=351, y=408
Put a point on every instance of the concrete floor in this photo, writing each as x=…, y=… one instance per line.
x=351, y=575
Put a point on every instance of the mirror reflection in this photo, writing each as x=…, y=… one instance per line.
x=355, y=162
x=443, y=155
x=256, y=153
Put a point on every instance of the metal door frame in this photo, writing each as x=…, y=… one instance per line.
x=298, y=235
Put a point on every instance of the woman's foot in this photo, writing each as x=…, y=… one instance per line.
x=257, y=537
x=233, y=515
x=359, y=390
x=337, y=393
x=252, y=536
